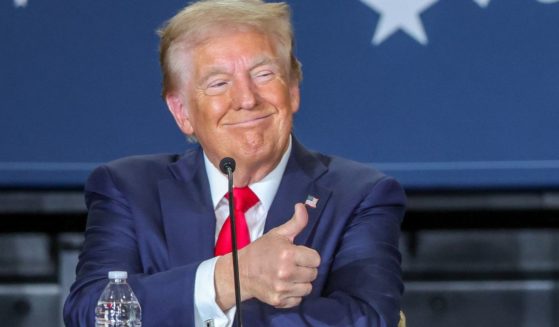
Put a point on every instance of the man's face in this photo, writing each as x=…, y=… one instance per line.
x=238, y=100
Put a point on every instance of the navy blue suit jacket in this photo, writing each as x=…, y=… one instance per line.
x=153, y=217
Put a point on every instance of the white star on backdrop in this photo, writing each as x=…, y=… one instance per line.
x=483, y=3
x=399, y=14
x=20, y=3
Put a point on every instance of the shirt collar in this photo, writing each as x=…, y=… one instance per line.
x=265, y=189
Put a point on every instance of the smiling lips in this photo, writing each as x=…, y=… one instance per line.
x=253, y=121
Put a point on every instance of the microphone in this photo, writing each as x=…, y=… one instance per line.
x=227, y=166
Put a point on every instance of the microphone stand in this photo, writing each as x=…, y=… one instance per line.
x=238, y=312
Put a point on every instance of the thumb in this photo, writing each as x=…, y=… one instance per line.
x=296, y=224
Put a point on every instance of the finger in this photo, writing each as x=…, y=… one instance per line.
x=289, y=302
x=306, y=257
x=294, y=297
x=304, y=275
x=302, y=289
x=296, y=224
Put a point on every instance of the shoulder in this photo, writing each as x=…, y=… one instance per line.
x=142, y=162
x=356, y=179
x=331, y=168
x=334, y=172
x=140, y=166
x=133, y=171
x=349, y=172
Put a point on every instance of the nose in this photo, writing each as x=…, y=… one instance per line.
x=244, y=93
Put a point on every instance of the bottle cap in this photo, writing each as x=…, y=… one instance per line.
x=118, y=275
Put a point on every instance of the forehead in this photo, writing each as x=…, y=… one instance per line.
x=233, y=49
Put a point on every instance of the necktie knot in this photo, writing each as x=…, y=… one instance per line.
x=244, y=198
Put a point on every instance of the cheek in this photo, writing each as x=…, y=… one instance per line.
x=212, y=109
x=278, y=96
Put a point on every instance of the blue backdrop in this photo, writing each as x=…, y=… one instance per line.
x=447, y=93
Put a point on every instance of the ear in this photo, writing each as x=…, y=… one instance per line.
x=178, y=109
x=295, y=96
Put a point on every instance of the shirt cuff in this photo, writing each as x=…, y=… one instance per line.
x=205, y=306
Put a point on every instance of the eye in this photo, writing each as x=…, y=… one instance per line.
x=217, y=87
x=264, y=76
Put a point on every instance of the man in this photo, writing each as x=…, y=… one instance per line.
x=231, y=81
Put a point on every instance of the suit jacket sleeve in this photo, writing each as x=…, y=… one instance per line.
x=362, y=284
x=359, y=281
x=111, y=244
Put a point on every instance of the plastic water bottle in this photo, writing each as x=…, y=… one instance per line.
x=118, y=306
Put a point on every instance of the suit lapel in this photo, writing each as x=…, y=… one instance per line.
x=187, y=210
x=298, y=182
x=189, y=217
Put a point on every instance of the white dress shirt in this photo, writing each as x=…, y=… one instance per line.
x=207, y=312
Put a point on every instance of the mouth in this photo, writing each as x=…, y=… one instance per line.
x=249, y=122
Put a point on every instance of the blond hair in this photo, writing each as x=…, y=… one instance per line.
x=201, y=20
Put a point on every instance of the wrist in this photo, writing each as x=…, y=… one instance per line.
x=224, y=282
x=244, y=278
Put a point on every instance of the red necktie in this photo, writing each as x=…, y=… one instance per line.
x=244, y=200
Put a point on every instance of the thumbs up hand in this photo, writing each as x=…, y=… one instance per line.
x=278, y=272
x=295, y=225
x=272, y=268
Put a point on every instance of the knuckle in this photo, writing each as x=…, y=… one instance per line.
x=279, y=288
x=276, y=301
x=286, y=254
x=284, y=273
x=281, y=274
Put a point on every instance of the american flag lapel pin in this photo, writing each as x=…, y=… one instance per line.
x=311, y=201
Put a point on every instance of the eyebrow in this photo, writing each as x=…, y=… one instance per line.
x=265, y=61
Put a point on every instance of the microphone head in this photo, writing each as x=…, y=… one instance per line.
x=227, y=163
